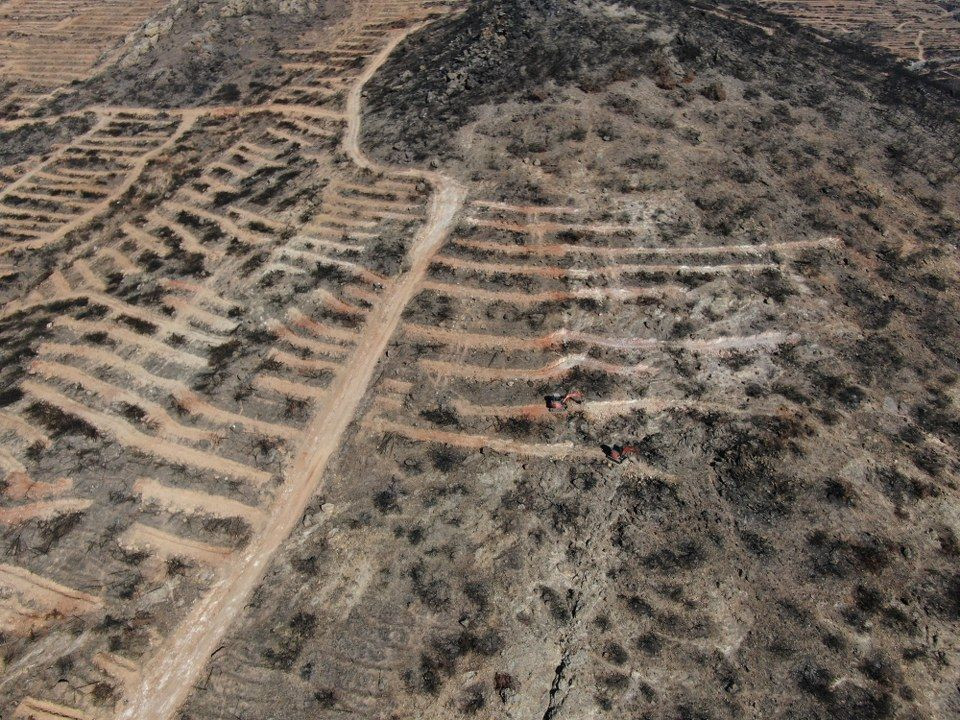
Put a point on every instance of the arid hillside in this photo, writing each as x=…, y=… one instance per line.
x=527, y=359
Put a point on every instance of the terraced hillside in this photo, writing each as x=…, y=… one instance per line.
x=207, y=335
x=923, y=32
x=46, y=44
x=515, y=358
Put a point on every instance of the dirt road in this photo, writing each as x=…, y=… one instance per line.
x=168, y=677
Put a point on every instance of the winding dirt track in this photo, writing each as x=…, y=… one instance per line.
x=168, y=678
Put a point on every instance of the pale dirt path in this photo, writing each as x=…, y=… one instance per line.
x=166, y=681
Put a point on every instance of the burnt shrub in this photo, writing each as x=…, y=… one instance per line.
x=839, y=389
x=386, y=256
x=839, y=492
x=9, y=396
x=438, y=661
x=444, y=417
x=874, y=312
x=144, y=327
x=477, y=592
x=445, y=458
x=516, y=427
x=254, y=262
x=557, y=604
x=431, y=590
x=58, y=423
x=296, y=409
x=386, y=500
x=615, y=681
x=846, y=701
x=615, y=653
x=221, y=355
x=650, y=643
x=772, y=284
x=325, y=697
x=757, y=544
x=687, y=555
x=55, y=529
x=816, y=681
x=941, y=593
x=876, y=357
x=882, y=670
x=838, y=557
x=233, y=527
x=900, y=488
x=750, y=473
x=549, y=40
x=473, y=700
x=289, y=639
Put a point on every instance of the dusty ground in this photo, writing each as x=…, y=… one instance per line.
x=280, y=319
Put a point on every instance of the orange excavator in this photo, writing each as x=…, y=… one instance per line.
x=558, y=402
x=619, y=453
